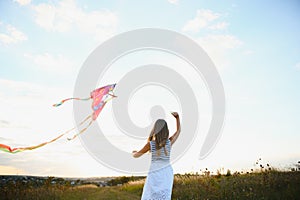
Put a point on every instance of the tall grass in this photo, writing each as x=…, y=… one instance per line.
x=261, y=184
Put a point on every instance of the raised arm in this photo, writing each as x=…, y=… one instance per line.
x=174, y=137
x=139, y=153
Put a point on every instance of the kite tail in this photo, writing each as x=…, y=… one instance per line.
x=63, y=101
x=8, y=149
x=20, y=149
x=5, y=148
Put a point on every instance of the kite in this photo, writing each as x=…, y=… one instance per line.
x=100, y=97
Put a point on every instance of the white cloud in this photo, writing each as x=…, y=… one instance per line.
x=221, y=41
x=7, y=124
x=67, y=15
x=202, y=20
x=45, y=15
x=51, y=63
x=23, y=104
x=23, y=2
x=12, y=35
x=219, y=26
x=219, y=46
x=173, y=2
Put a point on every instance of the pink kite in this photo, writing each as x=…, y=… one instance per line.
x=100, y=97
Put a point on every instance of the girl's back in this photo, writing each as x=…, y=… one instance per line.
x=160, y=155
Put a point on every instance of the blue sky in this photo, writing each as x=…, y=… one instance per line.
x=254, y=45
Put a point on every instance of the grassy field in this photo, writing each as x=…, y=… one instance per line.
x=255, y=185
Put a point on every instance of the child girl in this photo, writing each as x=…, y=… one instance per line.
x=159, y=182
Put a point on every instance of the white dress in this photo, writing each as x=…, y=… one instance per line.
x=159, y=182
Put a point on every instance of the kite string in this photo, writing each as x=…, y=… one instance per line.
x=108, y=99
x=82, y=130
x=70, y=130
x=91, y=121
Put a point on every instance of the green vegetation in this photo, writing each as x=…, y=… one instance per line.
x=265, y=184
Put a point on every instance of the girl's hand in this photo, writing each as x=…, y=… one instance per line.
x=133, y=152
x=175, y=114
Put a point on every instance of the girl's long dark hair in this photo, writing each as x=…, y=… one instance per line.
x=161, y=133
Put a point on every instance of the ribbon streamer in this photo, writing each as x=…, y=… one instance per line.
x=100, y=98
